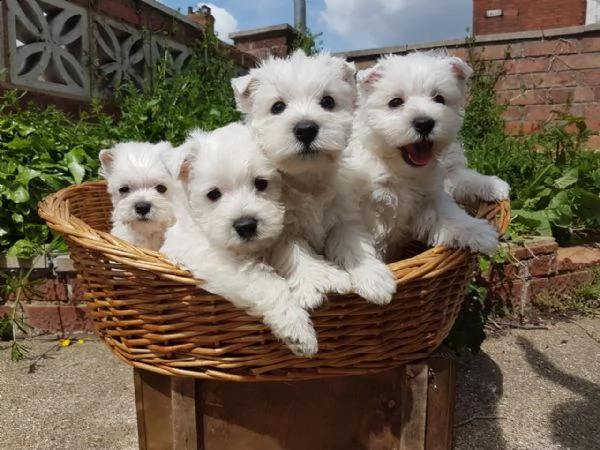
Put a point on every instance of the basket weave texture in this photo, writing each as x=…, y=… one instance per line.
x=153, y=315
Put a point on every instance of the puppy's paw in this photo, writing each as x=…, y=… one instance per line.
x=307, y=296
x=494, y=189
x=374, y=282
x=336, y=281
x=475, y=234
x=298, y=333
x=483, y=237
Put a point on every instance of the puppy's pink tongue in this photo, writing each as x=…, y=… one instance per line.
x=420, y=153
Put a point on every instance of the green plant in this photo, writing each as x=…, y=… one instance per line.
x=199, y=95
x=308, y=41
x=554, y=179
x=43, y=150
x=468, y=330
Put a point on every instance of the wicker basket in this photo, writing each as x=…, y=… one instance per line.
x=153, y=315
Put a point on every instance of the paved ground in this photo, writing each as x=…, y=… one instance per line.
x=527, y=390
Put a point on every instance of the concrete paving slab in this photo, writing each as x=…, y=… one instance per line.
x=526, y=390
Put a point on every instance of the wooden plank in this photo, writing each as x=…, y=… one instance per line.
x=186, y=418
x=153, y=409
x=441, y=401
x=414, y=406
x=346, y=413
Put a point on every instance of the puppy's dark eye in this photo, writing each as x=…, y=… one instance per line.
x=327, y=102
x=396, y=102
x=278, y=108
x=124, y=190
x=161, y=188
x=214, y=195
x=439, y=99
x=260, y=184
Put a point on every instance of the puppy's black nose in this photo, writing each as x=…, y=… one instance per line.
x=245, y=227
x=306, y=131
x=423, y=125
x=142, y=208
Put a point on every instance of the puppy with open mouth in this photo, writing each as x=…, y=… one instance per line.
x=408, y=115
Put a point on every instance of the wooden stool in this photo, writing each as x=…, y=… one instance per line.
x=407, y=408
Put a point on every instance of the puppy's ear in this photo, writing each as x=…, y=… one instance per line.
x=106, y=161
x=185, y=168
x=366, y=78
x=172, y=159
x=460, y=69
x=349, y=72
x=242, y=90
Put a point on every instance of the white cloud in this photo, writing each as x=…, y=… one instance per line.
x=225, y=22
x=379, y=23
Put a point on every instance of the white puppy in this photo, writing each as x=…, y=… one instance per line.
x=300, y=109
x=409, y=113
x=142, y=191
x=235, y=216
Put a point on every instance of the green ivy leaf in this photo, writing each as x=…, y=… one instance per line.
x=18, y=195
x=568, y=179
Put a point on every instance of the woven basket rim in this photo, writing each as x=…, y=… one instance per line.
x=124, y=252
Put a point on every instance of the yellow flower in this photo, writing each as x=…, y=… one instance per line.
x=80, y=341
x=64, y=342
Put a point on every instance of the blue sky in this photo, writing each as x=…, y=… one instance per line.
x=347, y=24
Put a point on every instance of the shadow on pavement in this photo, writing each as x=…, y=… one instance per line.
x=576, y=424
x=479, y=389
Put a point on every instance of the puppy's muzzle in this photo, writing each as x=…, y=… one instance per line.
x=142, y=208
x=306, y=131
x=246, y=227
x=423, y=124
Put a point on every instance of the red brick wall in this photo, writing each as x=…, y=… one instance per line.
x=527, y=15
x=547, y=71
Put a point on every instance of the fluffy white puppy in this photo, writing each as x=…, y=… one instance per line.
x=142, y=191
x=235, y=216
x=300, y=109
x=409, y=114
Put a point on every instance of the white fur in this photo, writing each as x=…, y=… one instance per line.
x=205, y=239
x=137, y=166
x=467, y=185
x=402, y=201
x=319, y=220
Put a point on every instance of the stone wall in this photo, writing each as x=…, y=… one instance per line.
x=538, y=270
x=547, y=71
x=67, y=51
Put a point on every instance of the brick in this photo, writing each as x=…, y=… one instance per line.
x=519, y=98
x=584, y=95
x=589, y=44
x=76, y=291
x=52, y=290
x=522, y=128
x=506, y=293
x=579, y=62
x=529, y=65
x=576, y=258
x=510, y=82
x=592, y=110
x=543, y=265
x=494, y=52
x=550, y=47
x=513, y=113
x=590, y=77
x=552, y=79
x=559, y=284
x=63, y=318
x=594, y=143
x=539, y=112
x=533, y=247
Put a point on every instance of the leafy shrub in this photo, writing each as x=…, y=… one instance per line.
x=554, y=179
x=44, y=149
